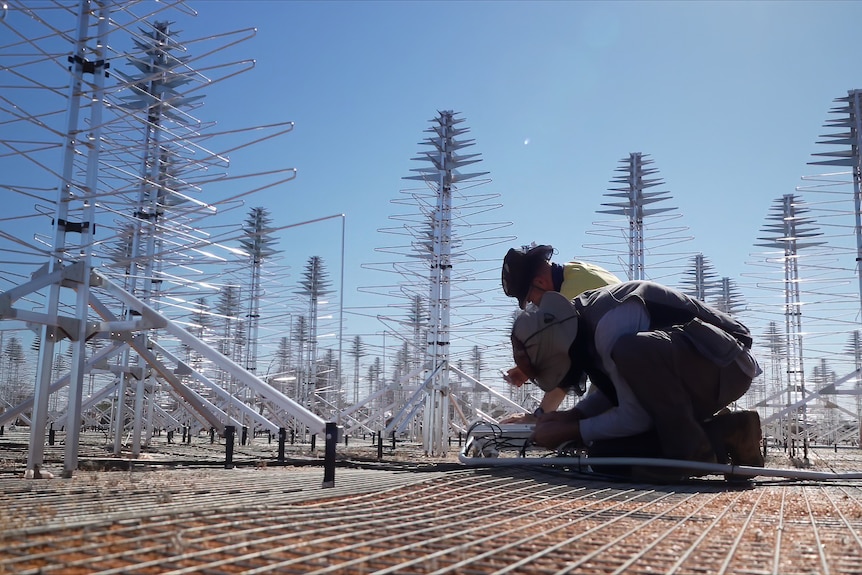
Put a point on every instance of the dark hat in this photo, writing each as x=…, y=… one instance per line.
x=541, y=338
x=519, y=269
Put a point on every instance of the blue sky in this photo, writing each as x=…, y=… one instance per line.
x=728, y=99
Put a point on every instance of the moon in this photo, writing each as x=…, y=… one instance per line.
x=526, y=141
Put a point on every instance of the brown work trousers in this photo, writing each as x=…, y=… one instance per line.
x=678, y=387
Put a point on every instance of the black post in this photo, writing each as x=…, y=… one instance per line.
x=244, y=434
x=189, y=436
x=51, y=435
x=393, y=440
x=184, y=434
x=170, y=436
x=1, y=429
x=229, y=433
x=379, y=446
x=269, y=437
x=345, y=440
x=292, y=436
x=212, y=434
x=282, y=436
x=459, y=439
x=313, y=441
x=329, y=454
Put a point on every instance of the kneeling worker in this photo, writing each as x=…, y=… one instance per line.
x=660, y=361
x=529, y=273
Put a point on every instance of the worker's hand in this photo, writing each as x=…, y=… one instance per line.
x=552, y=432
x=516, y=377
x=519, y=418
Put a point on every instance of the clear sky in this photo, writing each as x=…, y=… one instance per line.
x=728, y=99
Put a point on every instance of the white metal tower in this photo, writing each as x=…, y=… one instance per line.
x=257, y=243
x=441, y=176
x=633, y=201
x=727, y=298
x=75, y=199
x=700, y=281
x=143, y=189
x=849, y=120
x=791, y=232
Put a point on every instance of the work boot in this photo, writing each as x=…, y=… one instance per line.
x=736, y=438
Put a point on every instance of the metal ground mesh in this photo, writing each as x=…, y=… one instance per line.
x=461, y=521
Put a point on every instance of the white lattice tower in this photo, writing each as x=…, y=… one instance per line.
x=143, y=185
x=257, y=243
x=175, y=248
x=439, y=294
x=644, y=227
x=791, y=232
x=700, y=281
x=155, y=84
x=75, y=199
x=727, y=298
x=315, y=286
x=849, y=120
x=838, y=299
x=441, y=176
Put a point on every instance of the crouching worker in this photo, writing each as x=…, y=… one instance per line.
x=663, y=369
x=529, y=273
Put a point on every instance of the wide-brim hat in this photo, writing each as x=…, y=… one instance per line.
x=541, y=338
x=519, y=268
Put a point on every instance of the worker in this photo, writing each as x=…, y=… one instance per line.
x=659, y=361
x=528, y=273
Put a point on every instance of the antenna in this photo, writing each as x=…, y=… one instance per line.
x=791, y=232
x=643, y=229
x=133, y=237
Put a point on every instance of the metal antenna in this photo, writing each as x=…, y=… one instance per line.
x=75, y=197
x=700, y=280
x=833, y=191
x=791, y=232
x=728, y=299
x=137, y=158
x=446, y=241
x=849, y=120
x=633, y=204
x=151, y=89
x=441, y=176
x=258, y=245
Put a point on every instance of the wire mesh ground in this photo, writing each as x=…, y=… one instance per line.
x=418, y=519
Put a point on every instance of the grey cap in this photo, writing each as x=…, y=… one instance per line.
x=541, y=338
